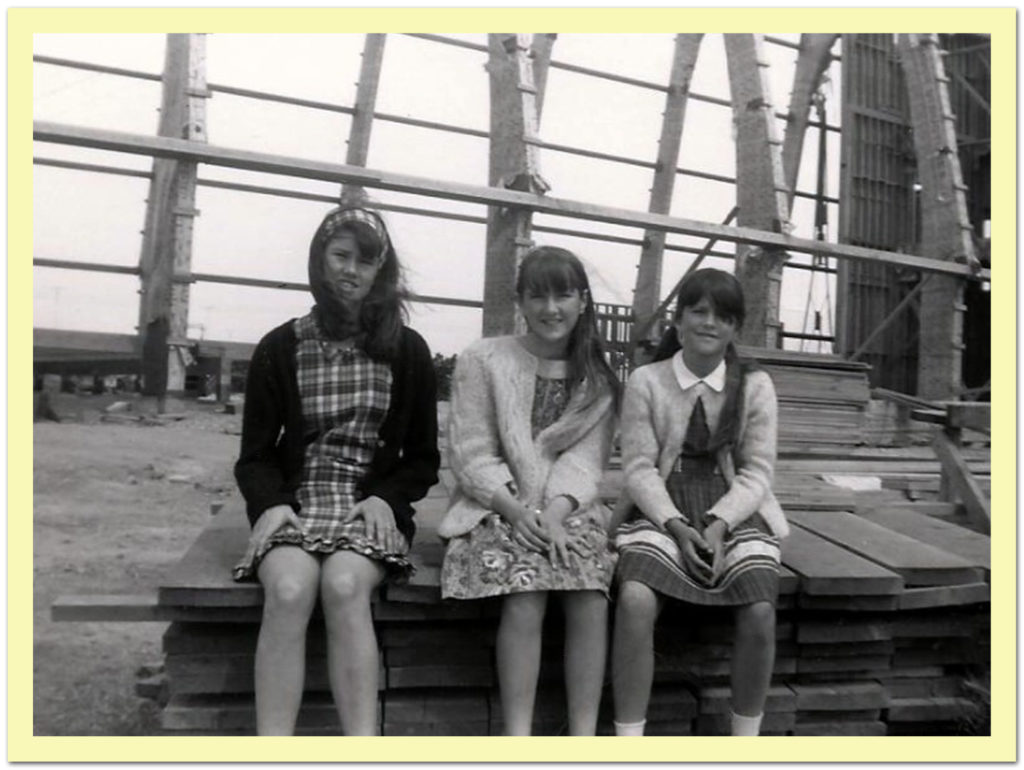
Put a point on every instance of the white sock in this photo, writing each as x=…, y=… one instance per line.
x=630, y=728
x=742, y=725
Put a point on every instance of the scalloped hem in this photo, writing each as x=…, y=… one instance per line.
x=398, y=566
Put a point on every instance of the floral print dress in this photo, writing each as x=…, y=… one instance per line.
x=488, y=562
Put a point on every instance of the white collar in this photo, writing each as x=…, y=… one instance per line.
x=687, y=379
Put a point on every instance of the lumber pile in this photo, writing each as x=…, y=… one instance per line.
x=823, y=399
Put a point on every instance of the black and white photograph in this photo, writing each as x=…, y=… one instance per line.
x=515, y=384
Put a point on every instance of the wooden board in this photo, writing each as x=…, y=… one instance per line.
x=773, y=722
x=214, y=674
x=839, y=665
x=935, y=709
x=846, y=649
x=202, y=578
x=427, y=705
x=849, y=603
x=840, y=696
x=826, y=569
x=718, y=700
x=917, y=563
x=440, y=676
x=98, y=607
x=945, y=596
x=970, y=546
x=839, y=728
x=238, y=712
x=924, y=687
x=843, y=628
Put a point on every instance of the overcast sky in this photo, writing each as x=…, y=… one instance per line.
x=98, y=218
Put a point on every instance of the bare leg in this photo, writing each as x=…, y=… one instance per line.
x=518, y=657
x=753, y=657
x=586, y=648
x=290, y=578
x=633, y=650
x=347, y=582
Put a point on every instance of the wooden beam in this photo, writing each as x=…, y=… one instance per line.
x=170, y=210
x=305, y=168
x=761, y=192
x=362, y=117
x=962, y=482
x=946, y=230
x=814, y=58
x=513, y=165
x=648, y=277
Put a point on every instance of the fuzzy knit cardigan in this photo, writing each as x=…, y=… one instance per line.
x=655, y=414
x=490, y=442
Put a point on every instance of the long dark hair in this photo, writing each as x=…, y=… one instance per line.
x=383, y=311
x=724, y=292
x=549, y=269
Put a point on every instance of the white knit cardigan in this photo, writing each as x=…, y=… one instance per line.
x=655, y=414
x=490, y=441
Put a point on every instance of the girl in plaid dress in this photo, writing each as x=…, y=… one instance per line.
x=698, y=453
x=339, y=438
x=530, y=431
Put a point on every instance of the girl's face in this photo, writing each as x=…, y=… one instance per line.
x=703, y=333
x=552, y=316
x=349, y=272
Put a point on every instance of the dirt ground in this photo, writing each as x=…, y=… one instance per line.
x=115, y=505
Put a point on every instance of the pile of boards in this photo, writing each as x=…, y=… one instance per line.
x=879, y=632
x=882, y=624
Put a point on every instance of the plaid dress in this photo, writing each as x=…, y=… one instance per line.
x=650, y=555
x=345, y=397
x=488, y=562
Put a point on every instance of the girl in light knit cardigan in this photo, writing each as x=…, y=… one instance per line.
x=531, y=425
x=698, y=452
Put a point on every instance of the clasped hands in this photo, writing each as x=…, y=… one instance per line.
x=544, y=532
x=702, y=553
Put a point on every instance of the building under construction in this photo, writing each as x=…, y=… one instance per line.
x=902, y=339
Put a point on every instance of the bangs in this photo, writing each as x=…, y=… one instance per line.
x=722, y=289
x=548, y=274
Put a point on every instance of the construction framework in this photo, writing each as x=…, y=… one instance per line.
x=936, y=265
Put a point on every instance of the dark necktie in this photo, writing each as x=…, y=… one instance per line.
x=697, y=433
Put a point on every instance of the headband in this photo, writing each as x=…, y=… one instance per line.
x=348, y=217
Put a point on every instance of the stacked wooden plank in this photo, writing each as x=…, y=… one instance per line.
x=883, y=614
x=822, y=398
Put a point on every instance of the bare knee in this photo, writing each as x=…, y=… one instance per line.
x=637, y=604
x=290, y=595
x=345, y=589
x=757, y=622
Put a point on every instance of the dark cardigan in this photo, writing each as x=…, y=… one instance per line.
x=404, y=467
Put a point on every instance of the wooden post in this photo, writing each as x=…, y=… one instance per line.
x=945, y=227
x=166, y=260
x=362, y=117
x=761, y=192
x=811, y=64
x=513, y=165
x=648, y=277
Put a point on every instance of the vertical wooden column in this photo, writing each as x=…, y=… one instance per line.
x=945, y=227
x=166, y=260
x=648, y=277
x=811, y=63
x=362, y=117
x=513, y=165
x=761, y=191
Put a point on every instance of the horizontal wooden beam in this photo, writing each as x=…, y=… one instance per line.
x=601, y=74
x=335, y=172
